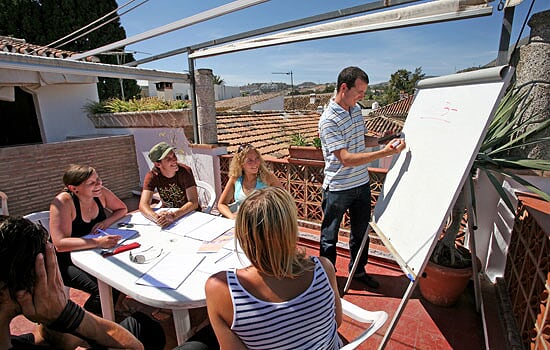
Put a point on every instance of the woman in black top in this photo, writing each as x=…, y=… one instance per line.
x=76, y=212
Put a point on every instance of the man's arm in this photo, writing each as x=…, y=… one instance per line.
x=48, y=302
x=354, y=159
x=192, y=202
x=145, y=206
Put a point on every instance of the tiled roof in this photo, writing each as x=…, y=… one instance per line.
x=376, y=126
x=269, y=132
x=14, y=45
x=243, y=103
x=398, y=109
x=302, y=102
x=391, y=117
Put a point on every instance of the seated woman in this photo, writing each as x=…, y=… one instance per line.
x=247, y=172
x=284, y=300
x=76, y=212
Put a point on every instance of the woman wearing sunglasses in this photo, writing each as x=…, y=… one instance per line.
x=247, y=172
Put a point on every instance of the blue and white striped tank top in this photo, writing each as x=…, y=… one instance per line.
x=305, y=322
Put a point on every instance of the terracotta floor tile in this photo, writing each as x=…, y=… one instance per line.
x=421, y=325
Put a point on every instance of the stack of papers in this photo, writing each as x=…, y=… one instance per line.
x=201, y=226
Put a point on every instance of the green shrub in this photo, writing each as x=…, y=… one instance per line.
x=116, y=105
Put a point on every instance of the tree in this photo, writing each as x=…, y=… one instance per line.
x=402, y=81
x=218, y=80
x=43, y=22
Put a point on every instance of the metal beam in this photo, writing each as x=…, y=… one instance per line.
x=505, y=33
x=64, y=66
x=185, y=22
x=376, y=5
x=432, y=12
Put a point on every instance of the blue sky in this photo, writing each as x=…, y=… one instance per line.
x=439, y=49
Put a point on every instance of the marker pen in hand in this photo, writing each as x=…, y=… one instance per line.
x=395, y=143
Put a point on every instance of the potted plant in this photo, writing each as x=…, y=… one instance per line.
x=301, y=148
x=141, y=113
x=509, y=130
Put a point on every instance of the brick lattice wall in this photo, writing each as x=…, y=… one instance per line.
x=527, y=277
x=32, y=175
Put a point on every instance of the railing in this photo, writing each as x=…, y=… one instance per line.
x=303, y=179
x=527, y=275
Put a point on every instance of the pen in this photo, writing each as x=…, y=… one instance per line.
x=103, y=232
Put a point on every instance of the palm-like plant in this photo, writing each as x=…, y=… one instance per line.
x=508, y=131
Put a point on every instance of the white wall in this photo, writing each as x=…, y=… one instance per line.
x=273, y=104
x=59, y=110
x=203, y=162
x=221, y=92
x=496, y=222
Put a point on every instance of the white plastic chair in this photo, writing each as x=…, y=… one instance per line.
x=4, y=209
x=207, y=196
x=375, y=318
x=43, y=218
x=40, y=217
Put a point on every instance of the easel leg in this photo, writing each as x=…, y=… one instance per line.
x=398, y=313
x=472, y=245
x=354, y=267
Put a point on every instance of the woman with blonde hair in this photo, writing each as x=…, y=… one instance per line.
x=247, y=172
x=81, y=208
x=284, y=299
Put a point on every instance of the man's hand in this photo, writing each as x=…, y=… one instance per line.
x=165, y=218
x=395, y=146
x=47, y=300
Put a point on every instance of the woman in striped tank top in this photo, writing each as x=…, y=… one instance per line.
x=284, y=299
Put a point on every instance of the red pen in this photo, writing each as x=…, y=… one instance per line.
x=121, y=249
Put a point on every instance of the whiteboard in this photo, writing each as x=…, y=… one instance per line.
x=443, y=131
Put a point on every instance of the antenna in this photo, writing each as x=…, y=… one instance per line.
x=291, y=86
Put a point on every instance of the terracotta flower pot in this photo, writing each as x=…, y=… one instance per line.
x=305, y=152
x=442, y=285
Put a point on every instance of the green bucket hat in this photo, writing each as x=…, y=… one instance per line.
x=159, y=151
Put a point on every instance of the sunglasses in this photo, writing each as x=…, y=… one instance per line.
x=145, y=256
x=243, y=147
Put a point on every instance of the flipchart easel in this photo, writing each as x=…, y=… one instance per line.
x=444, y=130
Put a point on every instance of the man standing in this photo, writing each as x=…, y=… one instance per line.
x=175, y=184
x=346, y=183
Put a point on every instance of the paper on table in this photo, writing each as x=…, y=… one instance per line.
x=189, y=222
x=211, y=229
x=124, y=233
x=137, y=219
x=223, y=260
x=218, y=243
x=171, y=271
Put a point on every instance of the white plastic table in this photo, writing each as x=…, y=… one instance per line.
x=119, y=272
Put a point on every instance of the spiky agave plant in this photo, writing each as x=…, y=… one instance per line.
x=508, y=131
